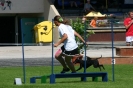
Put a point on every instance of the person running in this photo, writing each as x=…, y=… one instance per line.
x=70, y=47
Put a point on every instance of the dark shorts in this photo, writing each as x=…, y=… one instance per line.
x=72, y=52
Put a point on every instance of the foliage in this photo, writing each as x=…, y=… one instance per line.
x=80, y=28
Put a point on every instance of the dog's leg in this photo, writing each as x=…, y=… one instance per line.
x=79, y=67
x=102, y=67
x=97, y=67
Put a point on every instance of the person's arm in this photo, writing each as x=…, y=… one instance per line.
x=128, y=25
x=76, y=34
x=64, y=37
x=92, y=7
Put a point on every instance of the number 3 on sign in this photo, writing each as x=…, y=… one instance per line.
x=112, y=61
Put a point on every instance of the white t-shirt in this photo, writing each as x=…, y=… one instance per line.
x=69, y=43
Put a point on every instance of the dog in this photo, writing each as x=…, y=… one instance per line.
x=89, y=62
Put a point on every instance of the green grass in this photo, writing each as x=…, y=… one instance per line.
x=123, y=77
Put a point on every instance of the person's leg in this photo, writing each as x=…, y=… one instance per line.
x=127, y=43
x=59, y=57
x=128, y=40
x=69, y=63
x=68, y=58
x=131, y=41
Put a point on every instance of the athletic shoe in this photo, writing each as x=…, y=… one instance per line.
x=65, y=70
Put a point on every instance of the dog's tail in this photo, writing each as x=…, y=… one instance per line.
x=99, y=57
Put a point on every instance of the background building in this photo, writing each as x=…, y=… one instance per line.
x=23, y=14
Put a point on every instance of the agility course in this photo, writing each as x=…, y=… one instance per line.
x=83, y=75
x=122, y=74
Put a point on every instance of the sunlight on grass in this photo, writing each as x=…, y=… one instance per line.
x=123, y=77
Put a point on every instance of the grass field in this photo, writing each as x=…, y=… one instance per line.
x=123, y=77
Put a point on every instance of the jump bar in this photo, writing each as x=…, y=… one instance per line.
x=104, y=76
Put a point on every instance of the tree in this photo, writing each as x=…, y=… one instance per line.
x=80, y=28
